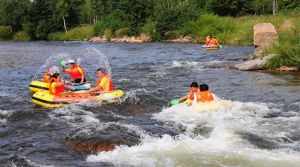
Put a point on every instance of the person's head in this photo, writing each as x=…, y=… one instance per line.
x=55, y=75
x=194, y=86
x=214, y=37
x=72, y=63
x=204, y=87
x=210, y=36
x=101, y=72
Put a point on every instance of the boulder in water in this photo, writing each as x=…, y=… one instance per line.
x=256, y=64
x=265, y=34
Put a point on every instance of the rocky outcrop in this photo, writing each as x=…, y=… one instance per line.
x=288, y=69
x=97, y=39
x=256, y=64
x=140, y=39
x=265, y=34
x=182, y=39
x=92, y=146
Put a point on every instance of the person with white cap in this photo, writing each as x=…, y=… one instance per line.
x=76, y=72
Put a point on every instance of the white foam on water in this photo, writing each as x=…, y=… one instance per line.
x=4, y=114
x=74, y=115
x=224, y=146
x=132, y=95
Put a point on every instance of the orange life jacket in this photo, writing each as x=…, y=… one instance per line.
x=47, y=77
x=58, y=89
x=204, y=96
x=207, y=40
x=111, y=86
x=74, y=72
x=192, y=94
x=214, y=42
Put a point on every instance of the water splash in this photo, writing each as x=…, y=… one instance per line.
x=94, y=59
x=51, y=62
x=90, y=58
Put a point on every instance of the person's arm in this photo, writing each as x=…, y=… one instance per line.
x=63, y=69
x=183, y=98
x=82, y=75
x=95, y=89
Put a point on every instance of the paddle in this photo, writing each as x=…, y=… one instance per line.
x=174, y=102
x=63, y=63
x=220, y=46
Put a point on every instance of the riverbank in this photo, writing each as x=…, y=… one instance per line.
x=229, y=30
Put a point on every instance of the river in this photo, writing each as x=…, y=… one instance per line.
x=261, y=129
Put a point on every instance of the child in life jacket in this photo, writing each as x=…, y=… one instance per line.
x=56, y=85
x=192, y=96
x=204, y=95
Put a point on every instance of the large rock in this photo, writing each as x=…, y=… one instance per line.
x=265, y=34
x=256, y=64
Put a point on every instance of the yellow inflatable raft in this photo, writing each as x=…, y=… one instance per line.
x=36, y=86
x=44, y=99
x=211, y=105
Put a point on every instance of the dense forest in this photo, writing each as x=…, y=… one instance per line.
x=39, y=18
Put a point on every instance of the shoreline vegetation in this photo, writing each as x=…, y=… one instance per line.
x=231, y=21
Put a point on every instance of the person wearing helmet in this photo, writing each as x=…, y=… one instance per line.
x=76, y=72
x=103, y=84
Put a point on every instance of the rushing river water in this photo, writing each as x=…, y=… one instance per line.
x=262, y=128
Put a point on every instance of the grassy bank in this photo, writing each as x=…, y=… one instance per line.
x=229, y=30
x=76, y=34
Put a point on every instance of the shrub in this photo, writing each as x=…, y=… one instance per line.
x=208, y=24
x=113, y=21
x=56, y=36
x=21, y=36
x=122, y=32
x=287, y=50
x=150, y=29
x=78, y=33
x=5, y=33
x=108, y=34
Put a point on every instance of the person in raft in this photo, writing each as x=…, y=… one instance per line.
x=207, y=40
x=103, y=84
x=192, y=96
x=198, y=94
x=76, y=72
x=56, y=85
x=48, y=73
x=205, y=94
x=214, y=43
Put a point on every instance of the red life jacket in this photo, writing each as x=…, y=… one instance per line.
x=74, y=72
x=58, y=89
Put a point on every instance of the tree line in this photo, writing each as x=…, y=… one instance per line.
x=39, y=18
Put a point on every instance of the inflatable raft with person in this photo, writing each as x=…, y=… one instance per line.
x=45, y=99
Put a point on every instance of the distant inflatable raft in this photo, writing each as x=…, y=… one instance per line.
x=44, y=99
x=36, y=86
